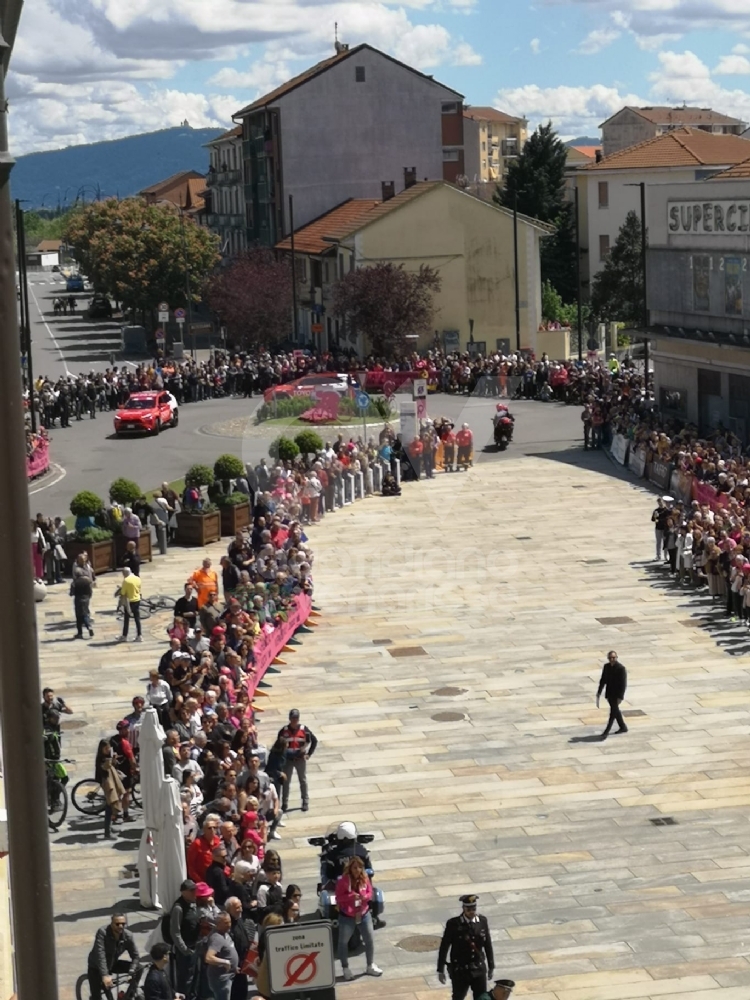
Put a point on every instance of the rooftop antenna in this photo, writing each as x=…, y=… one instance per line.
x=339, y=46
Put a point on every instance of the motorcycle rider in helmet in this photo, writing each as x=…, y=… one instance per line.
x=345, y=847
x=501, y=410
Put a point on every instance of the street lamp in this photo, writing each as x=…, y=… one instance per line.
x=644, y=237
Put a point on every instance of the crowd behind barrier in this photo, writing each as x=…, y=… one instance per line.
x=75, y=397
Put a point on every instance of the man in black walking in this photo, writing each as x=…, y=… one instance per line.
x=615, y=679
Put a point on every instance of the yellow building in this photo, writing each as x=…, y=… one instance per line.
x=492, y=140
x=469, y=242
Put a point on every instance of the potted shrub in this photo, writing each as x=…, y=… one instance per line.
x=96, y=541
x=201, y=524
x=126, y=493
x=283, y=449
x=234, y=509
x=226, y=468
x=309, y=443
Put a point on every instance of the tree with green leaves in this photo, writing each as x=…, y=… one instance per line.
x=617, y=290
x=535, y=184
x=388, y=304
x=139, y=253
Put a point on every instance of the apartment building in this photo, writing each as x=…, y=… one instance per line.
x=340, y=130
x=492, y=140
x=630, y=125
x=225, y=193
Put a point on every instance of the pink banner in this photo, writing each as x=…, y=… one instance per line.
x=377, y=381
x=37, y=462
x=269, y=646
x=705, y=493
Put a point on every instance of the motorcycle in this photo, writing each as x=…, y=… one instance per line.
x=329, y=846
x=503, y=432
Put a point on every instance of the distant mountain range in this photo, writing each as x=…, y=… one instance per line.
x=118, y=167
x=584, y=140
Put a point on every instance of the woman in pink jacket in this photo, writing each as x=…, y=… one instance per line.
x=353, y=897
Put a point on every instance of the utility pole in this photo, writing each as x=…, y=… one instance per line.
x=644, y=237
x=23, y=284
x=579, y=318
x=295, y=317
x=515, y=272
x=24, y=772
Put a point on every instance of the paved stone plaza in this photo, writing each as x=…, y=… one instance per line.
x=451, y=684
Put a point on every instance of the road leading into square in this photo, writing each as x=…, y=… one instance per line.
x=451, y=684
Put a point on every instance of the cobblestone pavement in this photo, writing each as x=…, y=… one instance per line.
x=451, y=683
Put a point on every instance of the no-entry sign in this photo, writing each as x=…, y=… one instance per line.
x=300, y=958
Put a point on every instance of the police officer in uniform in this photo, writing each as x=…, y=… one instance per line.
x=467, y=948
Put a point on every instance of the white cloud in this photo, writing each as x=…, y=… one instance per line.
x=572, y=110
x=735, y=65
x=134, y=47
x=683, y=77
x=741, y=49
x=535, y=45
x=597, y=40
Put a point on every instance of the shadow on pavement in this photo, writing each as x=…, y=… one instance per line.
x=122, y=905
x=594, y=738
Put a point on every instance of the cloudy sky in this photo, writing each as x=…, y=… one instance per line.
x=85, y=70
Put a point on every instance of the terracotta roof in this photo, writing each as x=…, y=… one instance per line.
x=196, y=187
x=740, y=171
x=182, y=175
x=491, y=115
x=679, y=116
x=48, y=246
x=319, y=235
x=589, y=151
x=321, y=67
x=682, y=147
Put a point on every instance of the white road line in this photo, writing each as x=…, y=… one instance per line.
x=60, y=473
x=52, y=336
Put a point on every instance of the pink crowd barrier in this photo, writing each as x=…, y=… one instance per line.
x=37, y=463
x=269, y=646
x=705, y=493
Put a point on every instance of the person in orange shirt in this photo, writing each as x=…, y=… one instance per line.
x=204, y=582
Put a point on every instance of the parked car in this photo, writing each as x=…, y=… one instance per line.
x=146, y=412
x=74, y=283
x=100, y=308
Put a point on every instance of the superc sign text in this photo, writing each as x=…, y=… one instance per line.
x=708, y=217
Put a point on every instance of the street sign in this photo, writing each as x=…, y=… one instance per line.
x=164, y=315
x=363, y=400
x=180, y=320
x=421, y=408
x=420, y=388
x=179, y=314
x=164, y=307
x=300, y=959
x=316, y=327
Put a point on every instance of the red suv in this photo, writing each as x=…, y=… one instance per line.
x=146, y=411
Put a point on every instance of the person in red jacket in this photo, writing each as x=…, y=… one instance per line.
x=465, y=440
x=200, y=852
x=449, y=448
x=415, y=451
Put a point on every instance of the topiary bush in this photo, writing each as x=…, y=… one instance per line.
x=283, y=449
x=232, y=499
x=86, y=504
x=228, y=467
x=309, y=442
x=125, y=492
x=199, y=475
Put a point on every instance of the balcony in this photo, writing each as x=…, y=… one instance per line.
x=223, y=178
x=219, y=221
x=509, y=147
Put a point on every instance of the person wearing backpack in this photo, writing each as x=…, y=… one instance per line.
x=180, y=928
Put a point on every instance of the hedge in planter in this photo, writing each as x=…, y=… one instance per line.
x=308, y=442
x=235, y=513
x=97, y=543
x=283, y=449
x=125, y=492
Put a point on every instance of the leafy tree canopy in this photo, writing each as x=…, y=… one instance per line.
x=388, y=303
x=139, y=253
x=253, y=296
x=617, y=290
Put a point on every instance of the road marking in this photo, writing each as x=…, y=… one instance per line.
x=49, y=331
x=59, y=472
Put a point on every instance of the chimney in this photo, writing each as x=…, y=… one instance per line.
x=599, y=156
x=389, y=189
x=410, y=177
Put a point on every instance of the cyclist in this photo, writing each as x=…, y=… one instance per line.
x=105, y=961
x=124, y=761
x=52, y=755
